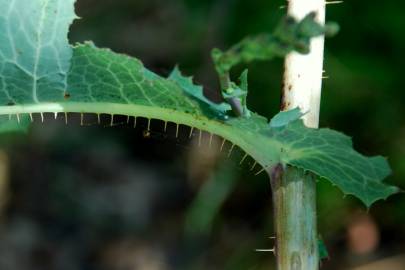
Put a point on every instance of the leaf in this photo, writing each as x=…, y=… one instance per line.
x=236, y=96
x=290, y=35
x=40, y=72
x=34, y=54
x=330, y=154
x=323, y=251
x=196, y=91
x=284, y=118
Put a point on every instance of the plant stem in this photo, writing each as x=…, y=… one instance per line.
x=303, y=73
x=295, y=219
x=294, y=191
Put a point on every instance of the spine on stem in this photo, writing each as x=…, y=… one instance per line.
x=294, y=191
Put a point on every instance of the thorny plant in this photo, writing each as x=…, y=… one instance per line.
x=40, y=72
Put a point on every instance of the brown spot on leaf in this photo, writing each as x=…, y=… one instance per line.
x=10, y=103
x=66, y=95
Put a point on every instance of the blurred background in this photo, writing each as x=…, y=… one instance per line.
x=95, y=197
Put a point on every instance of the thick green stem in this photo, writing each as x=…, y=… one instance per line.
x=295, y=219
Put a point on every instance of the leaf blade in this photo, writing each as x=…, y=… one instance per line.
x=35, y=52
x=330, y=155
x=85, y=79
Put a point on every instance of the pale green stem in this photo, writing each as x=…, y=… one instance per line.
x=294, y=201
x=294, y=191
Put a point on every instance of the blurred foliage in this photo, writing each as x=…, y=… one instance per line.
x=14, y=125
x=108, y=198
x=209, y=200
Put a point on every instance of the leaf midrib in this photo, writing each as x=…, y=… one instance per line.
x=38, y=51
x=215, y=127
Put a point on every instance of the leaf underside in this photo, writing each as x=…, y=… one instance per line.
x=40, y=72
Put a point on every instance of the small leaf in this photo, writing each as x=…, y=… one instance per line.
x=244, y=81
x=236, y=96
x=290, y=35
x=284, y=118
x=196, y=91
x=323, y=251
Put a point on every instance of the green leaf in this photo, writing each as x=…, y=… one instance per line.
x=40, y=72
x=34, y=53
x=284, y=118
x=196, y=91
x=330, y=154
x=290, y=35
x=236, y=96
x=323, y=251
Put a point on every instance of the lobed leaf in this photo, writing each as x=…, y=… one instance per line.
x=290, y=35
x=40, y=72
x=286, y=117
x=197, y=91
x=330, y=154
